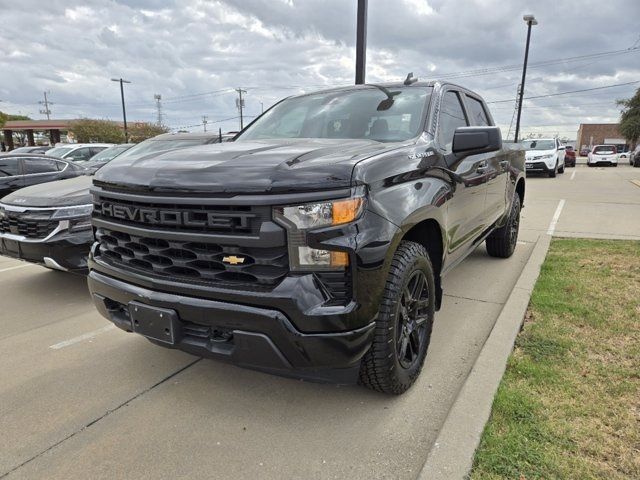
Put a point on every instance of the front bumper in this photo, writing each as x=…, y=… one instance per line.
x=63, y=251
x=538, y=167
x=254, y=337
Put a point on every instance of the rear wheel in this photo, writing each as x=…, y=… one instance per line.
x=405, y=320
x=502, y=242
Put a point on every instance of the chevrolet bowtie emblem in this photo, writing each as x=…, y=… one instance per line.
x=233, y=260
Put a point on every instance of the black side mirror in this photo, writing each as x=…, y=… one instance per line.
x=474, y=140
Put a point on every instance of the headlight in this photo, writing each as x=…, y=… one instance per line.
x=72, y=212
x=546, y=157
x=299, y=219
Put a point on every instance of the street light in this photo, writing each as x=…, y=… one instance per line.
x=124, y=112
x=530, y=20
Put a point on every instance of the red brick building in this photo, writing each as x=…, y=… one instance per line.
x=590, y=134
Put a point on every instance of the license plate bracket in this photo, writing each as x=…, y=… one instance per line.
x=157, y=323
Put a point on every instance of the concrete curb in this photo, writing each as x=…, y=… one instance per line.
x=451, y=456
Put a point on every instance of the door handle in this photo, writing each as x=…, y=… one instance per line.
x=482, y=167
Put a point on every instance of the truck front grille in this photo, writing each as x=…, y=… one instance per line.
x=188, y=260
x=20, y=223
x=179, y=217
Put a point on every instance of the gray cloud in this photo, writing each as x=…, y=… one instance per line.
x=275, y=48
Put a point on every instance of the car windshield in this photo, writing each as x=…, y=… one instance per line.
x=539, y=144
x=58, y=151
x=374, y=113
x=151, y=146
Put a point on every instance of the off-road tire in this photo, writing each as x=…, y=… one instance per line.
x=381, y=368
x=502, y=242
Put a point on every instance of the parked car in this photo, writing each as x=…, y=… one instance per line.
x=18, y=170
x=603, y=154
x=584, y=152
x=57, y=232
x=105, y=156
x=315, y=243
x=634, y=157
x=570, y=156
x=78, y=152
x=544, y=155
x=31, y=149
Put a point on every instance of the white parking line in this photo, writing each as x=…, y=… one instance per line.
x=81, y=338
x=573, y=175
x=556, y=217
x=18, y=266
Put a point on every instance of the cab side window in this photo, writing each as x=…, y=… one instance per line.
x=451, y=117
x=9, y=167
x=477, y=112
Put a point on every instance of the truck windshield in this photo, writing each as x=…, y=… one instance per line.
x=374, y=113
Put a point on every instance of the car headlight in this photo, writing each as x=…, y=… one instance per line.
x=299, y=219
x=546, y=157
x=72, y=212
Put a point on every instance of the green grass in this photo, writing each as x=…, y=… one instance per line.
x=568, y=406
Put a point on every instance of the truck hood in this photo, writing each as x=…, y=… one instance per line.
x=262, y=166
x=61, y=193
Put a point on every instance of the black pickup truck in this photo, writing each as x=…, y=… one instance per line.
x=314, y=245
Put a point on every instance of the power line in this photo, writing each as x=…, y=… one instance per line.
x=507, y=68
x=567, y=93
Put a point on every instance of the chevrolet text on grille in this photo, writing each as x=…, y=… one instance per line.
x=175, y=217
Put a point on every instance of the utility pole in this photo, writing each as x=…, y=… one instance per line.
x=157, y=97
x=46, y=104
x=361, y=42
x=531, y=20
x=240, y=105
x=204, y=122
x=124, y=112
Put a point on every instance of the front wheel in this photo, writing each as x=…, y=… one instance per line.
x=502, y=242
x=405, y=319
x=552, y=173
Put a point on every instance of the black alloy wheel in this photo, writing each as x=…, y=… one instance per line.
x=413, y=315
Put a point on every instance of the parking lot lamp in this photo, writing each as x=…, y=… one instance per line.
x=124, y=112
x=530, y=20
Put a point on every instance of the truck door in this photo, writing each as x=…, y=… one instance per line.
x=497, y=165
x=466, y=208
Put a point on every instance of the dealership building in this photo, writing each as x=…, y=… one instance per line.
x=590, y=134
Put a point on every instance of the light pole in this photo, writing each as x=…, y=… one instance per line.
x=124, y=112
x=530, y=20
x=361, y=41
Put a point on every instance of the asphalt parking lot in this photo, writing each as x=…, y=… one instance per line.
x=80, y=399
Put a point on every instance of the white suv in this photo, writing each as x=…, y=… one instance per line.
x=77, y=152
x=603, y=154
x=544, y=155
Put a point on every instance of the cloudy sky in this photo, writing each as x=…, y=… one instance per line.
x=194, y=53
